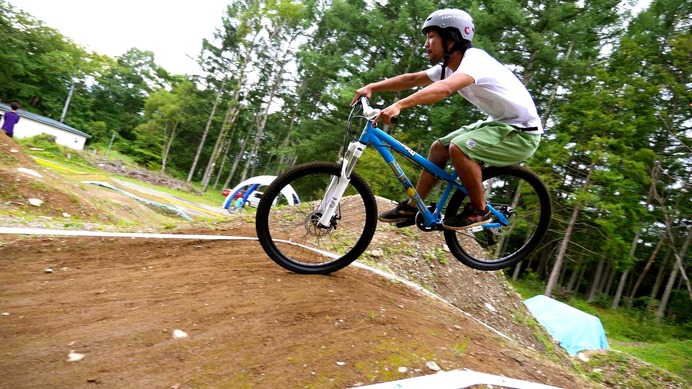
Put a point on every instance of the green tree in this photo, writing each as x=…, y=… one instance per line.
x=39, y=63
x=120, y=91
x=165, y=114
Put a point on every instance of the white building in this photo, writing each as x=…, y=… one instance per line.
x=31, y=124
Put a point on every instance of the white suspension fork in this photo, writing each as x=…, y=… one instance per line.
x=337, y=187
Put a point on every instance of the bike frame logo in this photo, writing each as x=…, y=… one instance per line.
x=408, y=149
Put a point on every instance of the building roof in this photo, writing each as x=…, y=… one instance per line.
x=42, y=119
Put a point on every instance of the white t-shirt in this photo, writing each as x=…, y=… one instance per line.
x=496, y=91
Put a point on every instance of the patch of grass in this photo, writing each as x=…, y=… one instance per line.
x=461, y=345
x=44, y=146
x=528, y=288
x=628, y=325
x=675, y=357
x=539, y=332
x=616, y=369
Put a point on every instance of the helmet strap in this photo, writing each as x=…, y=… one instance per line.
x=447, y=56
x=444, y=66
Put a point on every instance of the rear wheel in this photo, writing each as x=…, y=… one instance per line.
x=521, y=196
x=290, y=234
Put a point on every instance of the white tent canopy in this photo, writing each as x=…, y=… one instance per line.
x=254, y=183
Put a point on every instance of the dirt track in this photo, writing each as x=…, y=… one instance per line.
x=117, y=301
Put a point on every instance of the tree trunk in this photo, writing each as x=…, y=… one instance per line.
x=229, y=120
x=618, y=292
x=167, y=142
x=287, y=140
x=517, y=270
x=668, y=221
x=565, y=241
x=646, y=270
x=659, y=280
x=224, y=152
x=609, y=283
x=593, y=289
x=579, y=280
x=231, y=113
x=673, y=275
x=262, y=121
x=237, y=159
x=572, y=280
x=206, y=131
x=666, y=292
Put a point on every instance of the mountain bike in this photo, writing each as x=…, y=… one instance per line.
x=335, y=218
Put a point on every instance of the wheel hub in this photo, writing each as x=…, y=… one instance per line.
x=313, y=227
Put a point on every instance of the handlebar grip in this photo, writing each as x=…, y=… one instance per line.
x=395, y=120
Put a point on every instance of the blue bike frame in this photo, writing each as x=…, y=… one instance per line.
x=382, y=142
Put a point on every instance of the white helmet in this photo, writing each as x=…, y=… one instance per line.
x=451, y=18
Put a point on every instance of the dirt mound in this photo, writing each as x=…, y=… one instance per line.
x=35, y=196
x=143, y=175
x=23, y=179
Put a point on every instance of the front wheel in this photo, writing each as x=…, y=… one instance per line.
x=522, y=197
x=287, y=225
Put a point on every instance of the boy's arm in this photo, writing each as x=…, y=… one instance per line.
x=398, y=83
x=428, y=95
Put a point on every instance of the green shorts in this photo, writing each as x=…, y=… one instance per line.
x=493, y=143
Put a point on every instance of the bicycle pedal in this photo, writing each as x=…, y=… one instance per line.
x=405, y=223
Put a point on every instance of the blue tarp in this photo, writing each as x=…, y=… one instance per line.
x=574, y=329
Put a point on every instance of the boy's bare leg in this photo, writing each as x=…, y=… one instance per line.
x=439, y=155
x=471, y=175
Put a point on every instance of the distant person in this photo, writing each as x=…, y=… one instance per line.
x=11, y=118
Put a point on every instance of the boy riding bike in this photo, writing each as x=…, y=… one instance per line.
x=511, y=133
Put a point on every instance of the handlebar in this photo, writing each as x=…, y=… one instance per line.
x=370, y=112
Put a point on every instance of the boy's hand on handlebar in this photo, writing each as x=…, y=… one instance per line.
x=364, y=91
x=389, y=115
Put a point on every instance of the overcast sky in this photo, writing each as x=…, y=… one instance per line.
x=172, y=29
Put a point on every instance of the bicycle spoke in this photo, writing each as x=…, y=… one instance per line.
x=291, y=234
x=522, y=199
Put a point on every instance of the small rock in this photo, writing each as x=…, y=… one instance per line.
x=48, y=270
x=74, y=357
x=179, y=334
x=432, y=366
x=5, y=314
x=35, y=202
x=341, y=363
x=376, y=253
x=29, y=172
x=402, y=369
